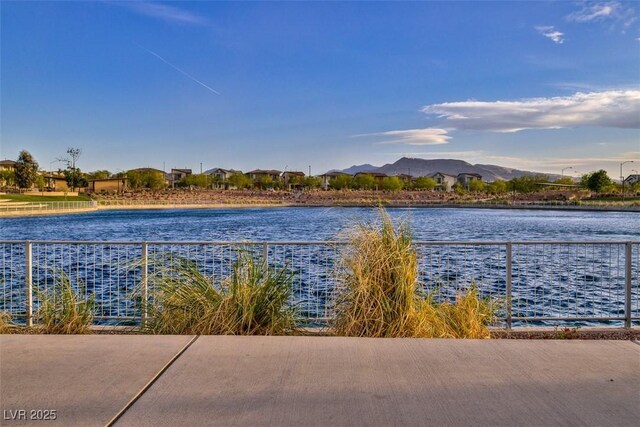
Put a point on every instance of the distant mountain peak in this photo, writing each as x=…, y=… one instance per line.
x=422, y=167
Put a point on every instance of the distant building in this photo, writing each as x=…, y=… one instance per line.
x=293, y=179
x=632, y=179
x=405, y=178
x=221, y=176
x=261, y=173
x=177, y=175
x=328, y=177
x=9, y=165
x=444, y=182
x=54, y=182
x=465, y=179
x=107, y=184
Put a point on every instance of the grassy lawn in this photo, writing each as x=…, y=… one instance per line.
x=33, y=198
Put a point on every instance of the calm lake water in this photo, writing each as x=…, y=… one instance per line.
x=322, y=224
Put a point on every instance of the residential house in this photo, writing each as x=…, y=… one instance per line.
x=465, y=179
x=328, y=177
x=632, y=179
x=177, y=175
x=107, y=184
x=221, y=176
x=53, y=182
x=444, y=182
x=407, y=179
x=293, y=179
x=9, y=166
x=256, y=174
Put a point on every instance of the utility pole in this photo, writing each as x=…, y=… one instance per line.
x=309, y=170
x=200, y=168
x=622, y=178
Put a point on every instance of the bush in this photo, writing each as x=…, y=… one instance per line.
x=381, y=297
x=253, y=301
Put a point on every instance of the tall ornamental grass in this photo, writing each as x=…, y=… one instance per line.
x=381, y=296
x=62, y=310
x=251, y=301
x=6, y=324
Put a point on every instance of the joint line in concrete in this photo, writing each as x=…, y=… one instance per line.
x=150, y=383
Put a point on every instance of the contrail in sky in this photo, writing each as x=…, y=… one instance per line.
x=178, y=69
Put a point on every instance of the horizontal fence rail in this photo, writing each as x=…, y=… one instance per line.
x=46, y=206
x=535, y=282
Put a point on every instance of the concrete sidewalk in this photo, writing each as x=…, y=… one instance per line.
x=321, y=381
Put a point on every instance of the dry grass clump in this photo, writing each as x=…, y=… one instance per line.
x=381, y=297
x=61, y=311
x=6, y=325
x=252, y=301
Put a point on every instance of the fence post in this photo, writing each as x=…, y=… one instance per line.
x=145, y=282
x=509, y=276
x=265, y=258
x=627, y=284
x=28, y=254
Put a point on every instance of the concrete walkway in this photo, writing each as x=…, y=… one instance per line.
x=287, y=381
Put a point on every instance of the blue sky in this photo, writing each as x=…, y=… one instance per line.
x=532, y=85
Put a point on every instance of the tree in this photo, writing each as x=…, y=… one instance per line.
x=477, y=186
x=239, y=181
x=7, y=178
x=264, y=182
x=26, y=170
x=312, y=182
x=528, y=184
x=364, y=181
x=458, y=188
x=196, y=180
x=497, y=187
x=424, y=183
x=99, y=174
x=596, y=181
x=151, y=179
x=341, y=182
x=565, y=180
x=392, y=183
x=75, y=178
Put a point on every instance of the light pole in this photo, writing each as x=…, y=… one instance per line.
x=564, y=169
x=622, y=178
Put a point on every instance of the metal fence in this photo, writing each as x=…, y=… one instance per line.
x=579, y=283
x=25, y=207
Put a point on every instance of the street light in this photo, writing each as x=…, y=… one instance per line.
x=622, y=177
x=564, y=169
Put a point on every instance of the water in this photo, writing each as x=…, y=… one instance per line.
x=549, y=281
x=282, y=224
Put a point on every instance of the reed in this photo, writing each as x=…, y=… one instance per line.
x=62, y=311
x=251, y=301
x=381, y=296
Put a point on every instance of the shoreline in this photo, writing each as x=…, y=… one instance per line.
x=191, y=206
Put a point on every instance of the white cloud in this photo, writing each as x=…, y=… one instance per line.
x=165, y=12
x=427, y=136
x=616, y=109
x=612, y=11
x=551, y=33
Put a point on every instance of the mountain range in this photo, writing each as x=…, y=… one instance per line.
x=423, y=167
